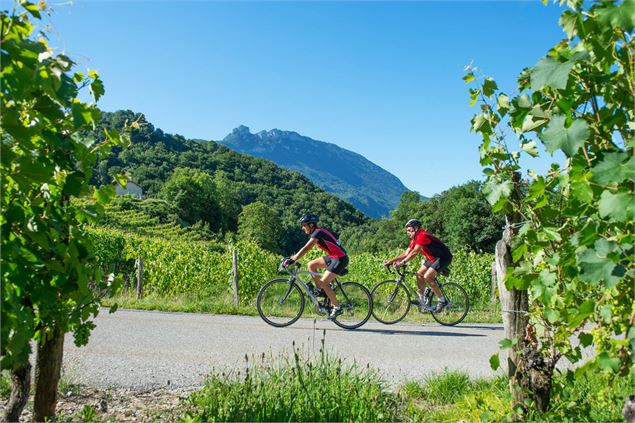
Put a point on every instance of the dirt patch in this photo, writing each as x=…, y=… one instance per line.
x=121, y=405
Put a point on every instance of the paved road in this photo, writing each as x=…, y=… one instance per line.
x=146, y=349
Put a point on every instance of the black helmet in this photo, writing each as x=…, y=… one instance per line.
x=309, y=218
x=413, y=222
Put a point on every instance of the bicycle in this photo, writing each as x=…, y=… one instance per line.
x=281, y=301
x=392, y=300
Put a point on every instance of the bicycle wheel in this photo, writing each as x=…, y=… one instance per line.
x=280, y=302
x=457, y=310
x=391, y=302
x=356, y=303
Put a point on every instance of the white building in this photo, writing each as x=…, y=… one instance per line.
x=131, y=188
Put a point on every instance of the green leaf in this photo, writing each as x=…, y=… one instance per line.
x=494, y=362
x=618, y=207
x=613, y=167
x=74, y=184
x=618, y=16
x=495, y=191
x=97, y=89
x=586, y=339
x=507, y=343
x=104, y=194
x=489, y=87
x=550, y=73
x=469, y=77
x=607, y=362
x=596, y=269
x=568, y=22
x=569, y=140
x=551, y=315
x=530, y=148
x=33, y=9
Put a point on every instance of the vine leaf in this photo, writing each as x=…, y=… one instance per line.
x=558, y=137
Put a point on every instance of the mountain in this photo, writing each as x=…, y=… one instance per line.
x=154, y=155
x=344, y=173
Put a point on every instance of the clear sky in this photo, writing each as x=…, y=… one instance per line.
x=382, y=79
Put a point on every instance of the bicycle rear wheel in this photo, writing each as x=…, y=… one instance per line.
x=391, y=302
x=458, y=308
x=280, y=302
x=356, y=303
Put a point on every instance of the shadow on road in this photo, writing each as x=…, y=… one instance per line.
x=415, y=332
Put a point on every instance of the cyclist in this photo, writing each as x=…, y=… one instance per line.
x=335, y=261
x=437, y=256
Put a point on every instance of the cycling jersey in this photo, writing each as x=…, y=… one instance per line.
x=431, y=246
x=327, y=242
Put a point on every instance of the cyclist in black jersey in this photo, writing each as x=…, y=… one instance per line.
x=335, y=261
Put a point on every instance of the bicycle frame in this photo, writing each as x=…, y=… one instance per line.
x=295, y=276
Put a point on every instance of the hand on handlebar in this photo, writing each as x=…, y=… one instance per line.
x=400, y=264
x=286, y=262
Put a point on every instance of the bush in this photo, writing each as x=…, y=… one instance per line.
x=298, y=389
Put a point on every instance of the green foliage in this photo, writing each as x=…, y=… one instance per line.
x=460, y=216
x=238, y=179
x=258, y=223
x=49, y=265
x=5, y=385
x=574, y=252
x=299, y=389
x=193, y=195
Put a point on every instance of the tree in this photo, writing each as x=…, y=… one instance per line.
x=569, y=237
x=48, y=264
x=193, y=194
x=260, y=224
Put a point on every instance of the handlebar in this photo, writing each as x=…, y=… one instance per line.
x=401, y=271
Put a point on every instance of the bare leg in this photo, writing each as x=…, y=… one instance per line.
x=313, y=266
x=325, y=284
x=430, y=277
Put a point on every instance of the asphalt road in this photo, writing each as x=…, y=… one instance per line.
x=145, y=349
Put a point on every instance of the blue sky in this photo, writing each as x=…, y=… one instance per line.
x=382, y=79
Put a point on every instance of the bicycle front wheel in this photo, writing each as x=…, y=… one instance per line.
x=458, y=308
x=280, y=302
x=391, y=302
x=356, y=303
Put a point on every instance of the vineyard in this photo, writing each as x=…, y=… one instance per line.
x=176, y=263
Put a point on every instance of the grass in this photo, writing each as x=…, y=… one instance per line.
x=454, y=396
x=223, y=303
x=294, y=389
x=324, y=389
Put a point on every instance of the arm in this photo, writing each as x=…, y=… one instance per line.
x=409, y=255
x=297, y=256
x=397, y=258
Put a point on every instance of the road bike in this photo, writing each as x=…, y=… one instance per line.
x=281, y=302
x=392, y=300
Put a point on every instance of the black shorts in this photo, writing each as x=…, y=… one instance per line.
x=438, y=263
x=336, y=266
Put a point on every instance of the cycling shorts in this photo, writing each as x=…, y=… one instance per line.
x=336, y=265
x=438, y=263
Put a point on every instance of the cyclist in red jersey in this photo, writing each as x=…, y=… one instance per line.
x=335, y=261
x=437, y=256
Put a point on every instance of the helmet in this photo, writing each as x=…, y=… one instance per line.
x=309, y=218
x=413, y=222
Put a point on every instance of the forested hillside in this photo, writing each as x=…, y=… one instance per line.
x=351, y=176
x=213, y=182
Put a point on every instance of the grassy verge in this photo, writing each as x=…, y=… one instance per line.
x=300, y=389
x=294, y=389
x=223, y=304
x=453, y=396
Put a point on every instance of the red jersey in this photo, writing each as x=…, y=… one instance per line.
x=431, y=246
x=327, y=242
